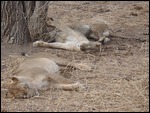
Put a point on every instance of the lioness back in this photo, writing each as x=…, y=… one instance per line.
x=43, y=63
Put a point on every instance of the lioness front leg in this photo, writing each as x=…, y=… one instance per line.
x=57, y=45
x=73, y=86
x=80, y=66
x=64, y=83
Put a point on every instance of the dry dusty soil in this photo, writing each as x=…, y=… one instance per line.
x=120, y=78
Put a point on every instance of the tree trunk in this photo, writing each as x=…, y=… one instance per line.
x=37, y=21
x=16, y=26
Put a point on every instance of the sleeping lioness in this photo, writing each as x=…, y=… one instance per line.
x=64, y=37
x=40, y=72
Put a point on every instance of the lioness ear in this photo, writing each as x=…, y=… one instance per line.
x=15, y=79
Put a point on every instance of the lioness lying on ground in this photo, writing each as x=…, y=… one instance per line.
x=40, y=72
x=69, y=39
x=77, y=38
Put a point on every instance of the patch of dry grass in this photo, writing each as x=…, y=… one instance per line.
x=116, y=84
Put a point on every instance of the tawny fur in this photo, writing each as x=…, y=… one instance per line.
x=98, y=31
x=69, y=39
x=40, y=72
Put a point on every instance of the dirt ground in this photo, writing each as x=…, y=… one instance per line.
x=120, y=79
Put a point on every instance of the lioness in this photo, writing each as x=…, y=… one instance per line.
x=40, y=72
x=69, y=39
x=99, y=31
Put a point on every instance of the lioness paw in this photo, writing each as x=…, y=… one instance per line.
x=81, y=87
x=102, y=39
x=38, y=43
x=106, y=40
x=83, y=67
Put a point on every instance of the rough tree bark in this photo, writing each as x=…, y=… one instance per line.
x=16, y=18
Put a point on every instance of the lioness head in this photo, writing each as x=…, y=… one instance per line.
x=17, y=89
x=90, y=47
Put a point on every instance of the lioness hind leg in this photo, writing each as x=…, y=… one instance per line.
x=58, y=79
x=57, y=45
x=79, y=66
x=82, y=67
